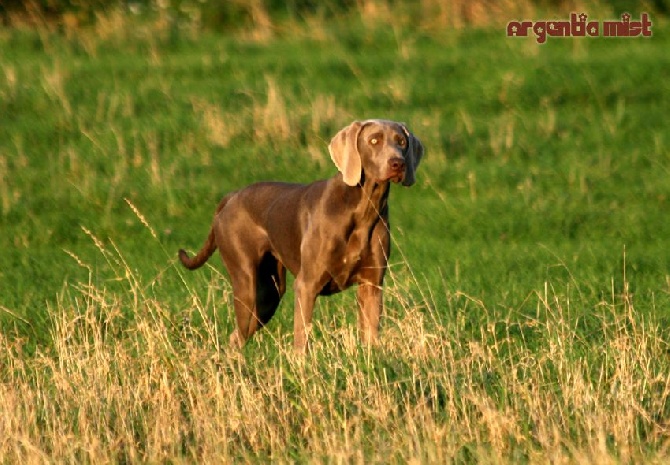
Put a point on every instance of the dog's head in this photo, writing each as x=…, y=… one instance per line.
x=383, y=150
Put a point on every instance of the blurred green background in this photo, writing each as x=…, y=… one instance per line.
x=123, y=123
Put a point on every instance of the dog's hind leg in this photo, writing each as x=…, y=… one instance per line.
x=256, y=296
x=244, y=301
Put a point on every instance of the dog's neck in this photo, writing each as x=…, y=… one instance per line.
x=367, y=200
x=371, y=201
x=374, y=197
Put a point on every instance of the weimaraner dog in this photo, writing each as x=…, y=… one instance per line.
x=330, y=234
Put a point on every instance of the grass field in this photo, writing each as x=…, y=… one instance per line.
x=528, y=297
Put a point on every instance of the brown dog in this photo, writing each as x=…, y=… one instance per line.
x=330, y=234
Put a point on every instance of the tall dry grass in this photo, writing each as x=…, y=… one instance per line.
x=130, y=378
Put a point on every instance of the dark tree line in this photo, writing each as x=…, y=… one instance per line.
x=227, y=14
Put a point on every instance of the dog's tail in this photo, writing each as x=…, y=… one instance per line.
x=207, y=250
x=208, y=247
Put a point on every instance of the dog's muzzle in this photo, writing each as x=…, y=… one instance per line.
x=396, y=169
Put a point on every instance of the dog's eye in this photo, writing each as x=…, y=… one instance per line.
x=401, y=142
x=374, y=141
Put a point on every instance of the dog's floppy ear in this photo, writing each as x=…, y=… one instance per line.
x=343, y=150
x=413, y=157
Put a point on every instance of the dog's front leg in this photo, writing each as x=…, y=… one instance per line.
x=370, y=281
x=370, y=305
x=305, y=296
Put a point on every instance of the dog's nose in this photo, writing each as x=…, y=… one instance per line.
x=397, y=164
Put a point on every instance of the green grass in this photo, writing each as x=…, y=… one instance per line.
x=529, y=272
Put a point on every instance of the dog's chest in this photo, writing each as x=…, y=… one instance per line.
x=351, y=247
x=343, y=271
x=356, y=245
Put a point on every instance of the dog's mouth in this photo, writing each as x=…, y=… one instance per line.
x=395, y=176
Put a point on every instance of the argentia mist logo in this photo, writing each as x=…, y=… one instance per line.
x=578, y=26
